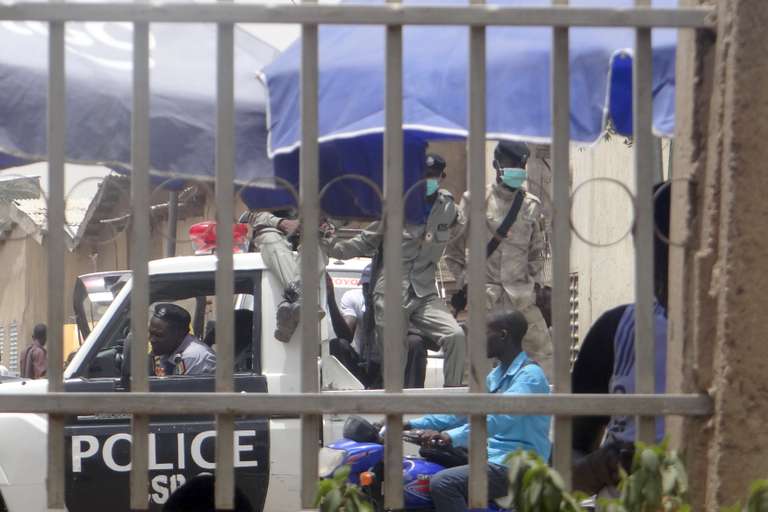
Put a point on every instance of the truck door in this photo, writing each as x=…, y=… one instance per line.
x=180, y=447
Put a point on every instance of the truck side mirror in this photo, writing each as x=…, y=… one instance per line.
x=125, y=367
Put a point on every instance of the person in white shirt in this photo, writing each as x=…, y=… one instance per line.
x=350, y=322
x=352, y=307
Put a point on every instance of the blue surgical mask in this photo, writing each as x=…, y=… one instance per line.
x=513, y=177
x=432, y=185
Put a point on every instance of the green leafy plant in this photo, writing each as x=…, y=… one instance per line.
x=758, y=497
x=336, y=494
x=535, y=487
x=757, y=501
x=658, y=482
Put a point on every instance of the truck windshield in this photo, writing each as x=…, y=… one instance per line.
x=196, y=294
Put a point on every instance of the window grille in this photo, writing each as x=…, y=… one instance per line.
x=311, y=404
x=13, y=342
x=2, y=347
x=573, y=316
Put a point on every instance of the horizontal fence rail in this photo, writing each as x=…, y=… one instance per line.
x=258, y=404
x=391, y=14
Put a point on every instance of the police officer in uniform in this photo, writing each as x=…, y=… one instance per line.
x=514, y=265
x=174, y=350
x=423, y=245
x=276, y=237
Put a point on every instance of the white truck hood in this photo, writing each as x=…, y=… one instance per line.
x=24, y=386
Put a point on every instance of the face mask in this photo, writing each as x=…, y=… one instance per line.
x=432, y=186
x=513, y=177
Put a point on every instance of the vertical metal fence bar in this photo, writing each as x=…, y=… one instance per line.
x=393, y=222
x=310, y=279
x=225, y=193
x=140, y=248
x=561, y=135
x=478, y=360
x=644, y=224
x=56, y=248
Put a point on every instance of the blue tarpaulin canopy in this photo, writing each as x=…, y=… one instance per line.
x=99, y=98
x=435, y=64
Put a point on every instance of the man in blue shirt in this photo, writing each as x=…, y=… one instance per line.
x=515, y=374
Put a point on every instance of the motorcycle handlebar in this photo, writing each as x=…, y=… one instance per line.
x=412, y=436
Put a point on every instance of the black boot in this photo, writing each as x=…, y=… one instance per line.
x=288, y=313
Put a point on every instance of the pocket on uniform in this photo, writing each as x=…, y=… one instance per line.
x=442, y=234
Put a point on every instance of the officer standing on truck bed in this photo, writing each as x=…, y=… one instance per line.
x=515, y=248
x=422, y=247
x=174, y=350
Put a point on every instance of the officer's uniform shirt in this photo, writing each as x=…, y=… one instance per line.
x=423, y=245
x=192, y=357
x=518, y=260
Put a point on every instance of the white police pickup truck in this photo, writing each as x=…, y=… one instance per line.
x=98, y=465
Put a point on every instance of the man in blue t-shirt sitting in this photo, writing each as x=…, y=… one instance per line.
x=515, y=374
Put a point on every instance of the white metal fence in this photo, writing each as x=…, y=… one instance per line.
x=310, y=403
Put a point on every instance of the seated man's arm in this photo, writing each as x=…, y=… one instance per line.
x=439, y=422
x=366, y=244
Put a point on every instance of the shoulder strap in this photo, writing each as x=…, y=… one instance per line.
x=501, y=232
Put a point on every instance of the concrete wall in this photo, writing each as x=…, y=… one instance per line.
x=15, y=304
x=25, y=281
x=602, y=214
x=718, y=280
x=25, y=298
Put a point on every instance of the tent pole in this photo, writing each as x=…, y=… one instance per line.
x=173, y=217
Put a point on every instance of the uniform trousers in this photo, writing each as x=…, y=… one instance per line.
x=430, y=316
x=279, y=257
x=450, y=487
